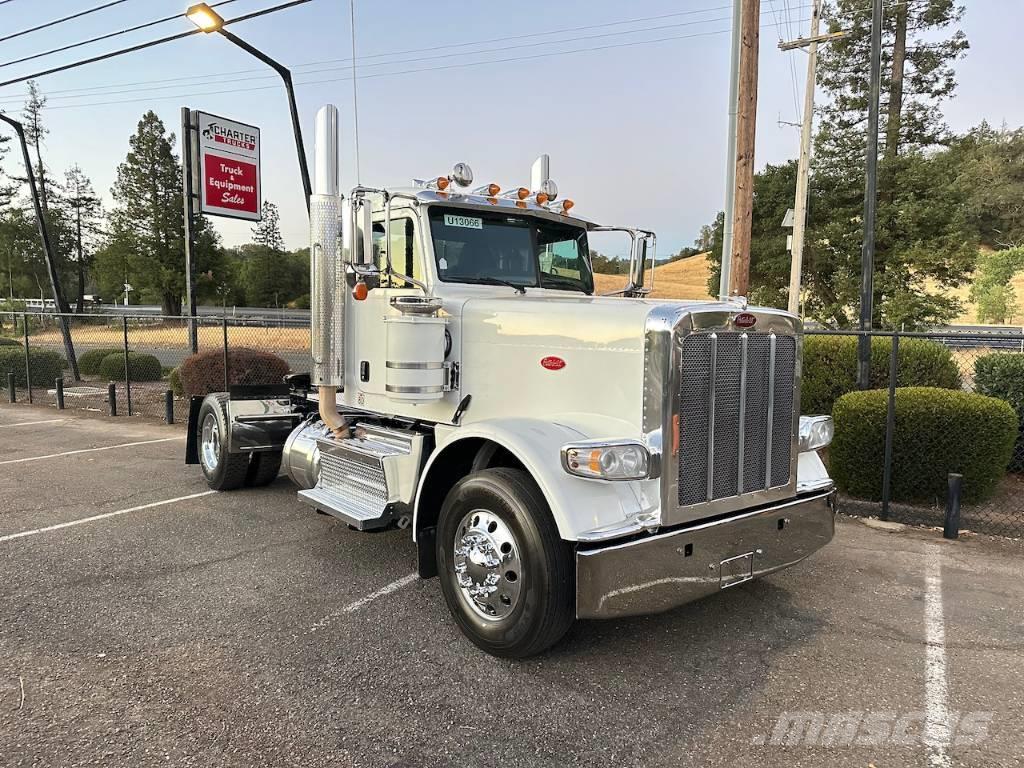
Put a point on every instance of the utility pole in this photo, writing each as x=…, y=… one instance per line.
x=746, y=132
x=730, y=150
x=867, y=265
x=803, y=165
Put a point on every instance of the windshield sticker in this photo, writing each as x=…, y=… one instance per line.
x=442, y=263
x=467, y=222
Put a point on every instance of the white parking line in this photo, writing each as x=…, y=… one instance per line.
x=364, y=601
x=103, y=516
x=90, y=450
x=30, y=423
x=937, y=723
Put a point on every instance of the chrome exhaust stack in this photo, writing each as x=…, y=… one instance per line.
x=326, y=280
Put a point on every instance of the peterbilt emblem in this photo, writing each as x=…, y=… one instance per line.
x=552, y=363
x=744, y=320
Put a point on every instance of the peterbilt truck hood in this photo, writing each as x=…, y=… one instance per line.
x=553, y=358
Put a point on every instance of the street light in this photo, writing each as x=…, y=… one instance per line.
x=208, y=20
x=204, y=17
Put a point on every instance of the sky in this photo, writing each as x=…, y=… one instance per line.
x=628, y=98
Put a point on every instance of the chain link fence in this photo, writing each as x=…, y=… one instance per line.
x=130, y=365
x=902, y=446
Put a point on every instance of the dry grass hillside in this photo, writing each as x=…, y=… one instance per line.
x=970, y=316
x=683, y=279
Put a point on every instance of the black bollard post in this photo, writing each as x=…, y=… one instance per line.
x=12, y=395
x=951, y=530
x=112, y=398
x=169, y=406
x=59, y=386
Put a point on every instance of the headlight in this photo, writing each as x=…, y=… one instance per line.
x=624, y=460
x=815, y=432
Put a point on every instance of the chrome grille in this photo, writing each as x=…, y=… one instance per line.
x=735, y=406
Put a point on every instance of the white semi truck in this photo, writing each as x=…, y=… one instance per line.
x=555, y=454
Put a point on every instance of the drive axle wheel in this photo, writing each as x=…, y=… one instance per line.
x=224, y=471
x=506, y=574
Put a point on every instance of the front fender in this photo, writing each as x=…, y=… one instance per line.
x=577, y=505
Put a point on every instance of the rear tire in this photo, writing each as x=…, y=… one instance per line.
x=506, y=574
x=264, y=468
x=224, y=471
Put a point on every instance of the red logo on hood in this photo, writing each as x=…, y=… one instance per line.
x=552, y=363
x=744, y=320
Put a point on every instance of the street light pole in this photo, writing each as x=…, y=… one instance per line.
x=286, y=76
x=48, y=254
x=208, y=20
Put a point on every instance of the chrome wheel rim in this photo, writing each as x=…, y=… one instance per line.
x=488, y=569
x=209, y=442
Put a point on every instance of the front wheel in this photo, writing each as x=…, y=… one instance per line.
x=506, y=575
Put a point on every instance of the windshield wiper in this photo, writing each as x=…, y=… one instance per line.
x=518, y=288
x=562, y=282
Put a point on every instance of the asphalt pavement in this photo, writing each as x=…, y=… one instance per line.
x=146, y=622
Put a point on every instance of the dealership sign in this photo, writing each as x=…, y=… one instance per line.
x=229, y=168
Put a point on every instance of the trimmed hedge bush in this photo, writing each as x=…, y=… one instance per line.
x=938, y=431
x=203, y=373
x=141, y=367
x=830, y=368
x=89, y=361
x=1002, y=375
x=6, y=341
x=45, y=365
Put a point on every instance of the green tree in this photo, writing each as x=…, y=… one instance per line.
x=83, y=209
x=267, y=231
x=35, y=132
x=146, y=243
x=991, y=289
x=991, y=176
x=924, y=246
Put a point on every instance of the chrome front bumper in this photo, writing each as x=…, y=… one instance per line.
x=663, y=571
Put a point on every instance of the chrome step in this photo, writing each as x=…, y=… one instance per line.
x=367, y=481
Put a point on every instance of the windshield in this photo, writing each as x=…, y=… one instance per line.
x=473, y=246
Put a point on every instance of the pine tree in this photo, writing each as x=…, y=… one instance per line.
x=35, y=132
x=83, y=210
x=923, y=242
x=147, y=220
x=267, y=231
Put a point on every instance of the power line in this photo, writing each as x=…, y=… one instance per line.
x=86, y=92
x=55, y=22
x=100, y=38
x=151, y=43
x=414, y=70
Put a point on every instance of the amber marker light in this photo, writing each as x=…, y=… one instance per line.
x=442, y=183
x=360, y=291
x=567, y=205
x=541, y=198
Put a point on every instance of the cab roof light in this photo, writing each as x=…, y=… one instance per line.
x=564, y=207
x=519, y=193
x=488, y=190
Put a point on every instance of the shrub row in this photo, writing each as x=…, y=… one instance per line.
x=203, y=373
x=7, y=341
x=89, y=361
x=1002, y=375
x=939, y=431
x=830, y=368
x=141, y=367
x=45, y=365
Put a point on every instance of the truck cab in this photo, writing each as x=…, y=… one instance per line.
x=556, y=454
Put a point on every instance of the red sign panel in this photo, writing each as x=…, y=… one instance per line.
x=229, y=168
x=553, y=363
x=745, y=320
x=230, y=183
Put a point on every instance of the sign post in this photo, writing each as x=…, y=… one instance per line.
x=188, y=153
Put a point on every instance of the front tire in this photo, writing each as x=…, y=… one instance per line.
x=224, y=471
x=506, y=575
